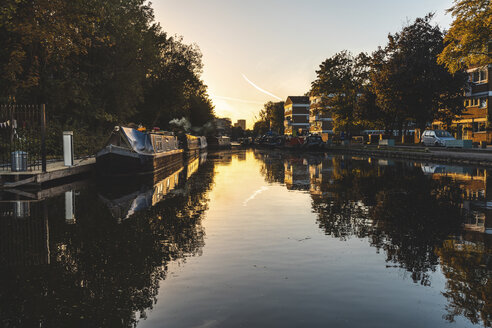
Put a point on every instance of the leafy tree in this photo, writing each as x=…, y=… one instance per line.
x=408, y=82
x=99, y=63
x=468, y=39
x=260, y=127
x=273, y=113
x=271, y=118
x=339, y=81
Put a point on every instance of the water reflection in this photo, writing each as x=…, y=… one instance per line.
x=94, y=256
x=99, y=253
x=422, y=216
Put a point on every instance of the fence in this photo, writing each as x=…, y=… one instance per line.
x=23, y=129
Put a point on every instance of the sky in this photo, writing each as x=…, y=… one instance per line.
x=258, y=51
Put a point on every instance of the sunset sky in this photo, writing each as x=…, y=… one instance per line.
x=255, y=51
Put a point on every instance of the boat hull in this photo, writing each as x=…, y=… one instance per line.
x=114, y=161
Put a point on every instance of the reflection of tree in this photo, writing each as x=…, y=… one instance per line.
x=272, y=167
x=411, y=222
x=467, y=265
x=102, y=273
x=401, y=211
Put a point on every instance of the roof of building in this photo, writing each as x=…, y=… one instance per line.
x=298, y=99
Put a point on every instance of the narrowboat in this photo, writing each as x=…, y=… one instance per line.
x=132, y=152
x=219, y=142
x=189, y=142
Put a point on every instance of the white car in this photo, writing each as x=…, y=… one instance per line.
x=436, y=138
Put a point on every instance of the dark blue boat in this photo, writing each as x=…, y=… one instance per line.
x=132, y=152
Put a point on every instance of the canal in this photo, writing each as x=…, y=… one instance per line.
x=253, y=238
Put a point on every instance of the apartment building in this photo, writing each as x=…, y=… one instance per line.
x=475, y=121
x=296, y=115
x=320, y=119
x=241, y=124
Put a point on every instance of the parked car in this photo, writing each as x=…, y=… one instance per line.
x=436, y=138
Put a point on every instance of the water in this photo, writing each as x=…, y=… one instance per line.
x=254, y=239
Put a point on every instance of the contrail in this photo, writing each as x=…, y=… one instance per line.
x=256, y=193
x=238, y=100
x=260, y=89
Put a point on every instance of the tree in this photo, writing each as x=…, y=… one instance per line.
x=339, y=81
x=260, y=128
x=98, y=63
x=273, y=113
x=468, y=40
x=409, y=84
x=271, y=118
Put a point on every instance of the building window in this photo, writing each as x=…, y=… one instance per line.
x=478, y=127
x=479, y=76
x=483, y=102
x=475, y=102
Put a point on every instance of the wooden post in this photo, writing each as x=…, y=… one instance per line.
x=43, y=137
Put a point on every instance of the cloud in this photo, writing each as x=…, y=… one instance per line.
x=260, y=89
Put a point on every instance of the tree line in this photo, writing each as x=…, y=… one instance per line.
x=397, y=86
x=99, y=63
x=416, y=78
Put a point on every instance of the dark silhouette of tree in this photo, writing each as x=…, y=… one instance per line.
x=98, y=63
x=408, y=82
x=340, y=79
x=271, y=118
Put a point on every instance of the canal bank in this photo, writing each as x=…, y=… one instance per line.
x=477, y=157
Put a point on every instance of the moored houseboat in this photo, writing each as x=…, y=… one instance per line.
x=189, y=142
x=130, y=152
x=219, y=142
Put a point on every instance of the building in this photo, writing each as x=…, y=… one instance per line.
x=241, y=124
x=223, y=126
x=320, y=120
x=296, y=115
x=475, y=121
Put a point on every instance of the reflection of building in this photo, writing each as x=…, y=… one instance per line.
x=296, y=115
x=241, y=124
x=321, y=176
x=320, y=119
x=477, y=200
x=473, y=123
x=241, y=156
x=223, y=126
x=296, y=174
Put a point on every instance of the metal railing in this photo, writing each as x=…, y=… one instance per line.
x=23, y=134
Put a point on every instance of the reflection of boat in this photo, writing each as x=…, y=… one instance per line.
x=446, y=169
x=192, y=167
x=203, y=157
x=203, y=142
x=130, y=152
x=140, y=197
